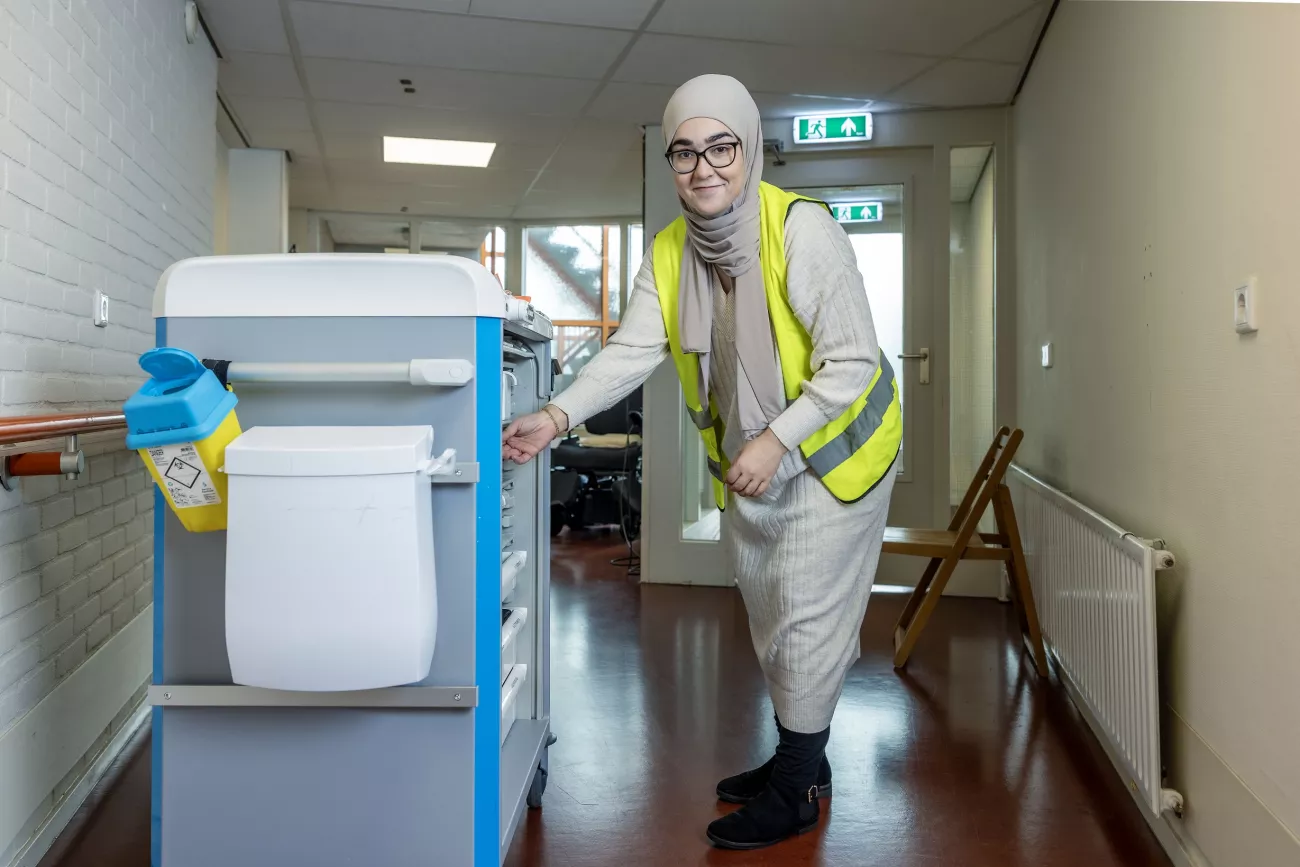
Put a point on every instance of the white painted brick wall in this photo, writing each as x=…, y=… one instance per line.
x=107, y=164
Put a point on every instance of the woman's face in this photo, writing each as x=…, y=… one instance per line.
x=711, y=187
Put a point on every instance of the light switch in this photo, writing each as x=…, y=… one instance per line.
x=1049, y=355
x=1243, y=307
x=100, y=314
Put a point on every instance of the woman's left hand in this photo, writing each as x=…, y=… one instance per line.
x=757, y=463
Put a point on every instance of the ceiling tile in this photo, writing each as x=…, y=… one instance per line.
x=460, y=6
x=774, y=21
x=307, y=170
x=886, y=106
x=367, y=150
x=424, y=178
x=376, y=121
x=260, y=116
x=672, y=60
x=644, y=103
x=608, y=134
x=454, y=41
x=788, y=105
x=933, y=27
x=311, y=194
x=379, y=83
x=246, y=74
x=576, y=166
x=968, y=157
x=624, y=14
x=245, y=25
x=962, y=82
x=638, y=103
x=1010, y=43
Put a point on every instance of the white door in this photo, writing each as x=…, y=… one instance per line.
x=900, y=228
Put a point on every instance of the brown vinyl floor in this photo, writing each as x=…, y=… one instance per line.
x=965, y=760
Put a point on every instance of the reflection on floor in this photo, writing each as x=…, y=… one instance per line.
x=965, y=760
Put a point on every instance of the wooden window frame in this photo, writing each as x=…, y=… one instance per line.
x=492, y=258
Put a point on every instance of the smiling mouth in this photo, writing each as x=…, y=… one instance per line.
x=708, y=187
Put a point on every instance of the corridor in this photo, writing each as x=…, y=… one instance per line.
x=962, y=761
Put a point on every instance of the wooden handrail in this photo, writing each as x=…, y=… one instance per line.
x=21, y=429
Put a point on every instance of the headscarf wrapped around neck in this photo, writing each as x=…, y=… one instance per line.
x=728, y=242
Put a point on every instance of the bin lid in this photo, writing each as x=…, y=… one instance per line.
x=329, y=451
x=181, y=401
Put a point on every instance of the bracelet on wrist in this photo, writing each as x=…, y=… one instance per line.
x=557, y=417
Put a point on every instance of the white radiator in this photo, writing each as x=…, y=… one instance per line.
x=1094, y=587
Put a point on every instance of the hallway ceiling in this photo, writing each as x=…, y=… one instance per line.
x=563, y=85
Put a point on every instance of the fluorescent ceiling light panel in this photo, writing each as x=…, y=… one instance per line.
x=437, y=152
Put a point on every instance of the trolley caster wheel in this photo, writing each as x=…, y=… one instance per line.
x=538, y=789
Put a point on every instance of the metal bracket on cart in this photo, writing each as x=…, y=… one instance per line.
x=185, y=695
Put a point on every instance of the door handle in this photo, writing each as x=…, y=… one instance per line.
x=924, y=357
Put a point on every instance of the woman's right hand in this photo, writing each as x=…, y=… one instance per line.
x=527, y=436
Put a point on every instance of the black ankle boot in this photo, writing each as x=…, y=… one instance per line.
x=787, y=805
x=743, y=788
x=767, y=819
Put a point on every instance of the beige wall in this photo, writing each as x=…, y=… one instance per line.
x=970, y=320
x=1155, y=169
x=221, y=199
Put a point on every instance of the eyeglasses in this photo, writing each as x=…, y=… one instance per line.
x=719, y=156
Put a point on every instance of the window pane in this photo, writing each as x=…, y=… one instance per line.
x=880, y=259
x=635, y=250
x=574, y=346
x=562, y=271
x=615, y=273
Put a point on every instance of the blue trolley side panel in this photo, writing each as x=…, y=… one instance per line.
x=156, y=720
x=487, y=609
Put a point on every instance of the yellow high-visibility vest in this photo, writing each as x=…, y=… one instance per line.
x=853, y=452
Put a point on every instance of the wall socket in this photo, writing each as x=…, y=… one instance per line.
x=100, y=314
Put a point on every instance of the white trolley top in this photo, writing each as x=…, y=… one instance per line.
x=328, y=284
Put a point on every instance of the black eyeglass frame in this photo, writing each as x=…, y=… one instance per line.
x=735, y=149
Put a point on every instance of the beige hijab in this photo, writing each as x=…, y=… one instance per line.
x=730, y=243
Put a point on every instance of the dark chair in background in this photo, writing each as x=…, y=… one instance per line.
x=600, y=485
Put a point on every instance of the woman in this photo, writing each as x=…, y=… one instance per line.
x=755, y=295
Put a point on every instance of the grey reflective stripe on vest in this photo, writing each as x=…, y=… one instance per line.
x=855, y=436
x=715, y=470
x=702, y=417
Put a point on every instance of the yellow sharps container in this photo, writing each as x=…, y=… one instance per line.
x=180, y=422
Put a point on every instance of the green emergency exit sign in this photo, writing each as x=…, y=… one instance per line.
x=858, y=212
x=812, y=128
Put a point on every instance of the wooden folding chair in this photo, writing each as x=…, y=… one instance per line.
x=962, y=541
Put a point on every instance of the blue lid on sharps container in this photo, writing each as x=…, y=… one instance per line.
x=182, y=401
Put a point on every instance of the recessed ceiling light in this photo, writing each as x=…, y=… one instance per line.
x=437, y=152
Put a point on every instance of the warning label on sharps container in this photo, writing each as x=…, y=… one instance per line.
x=187, y=480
